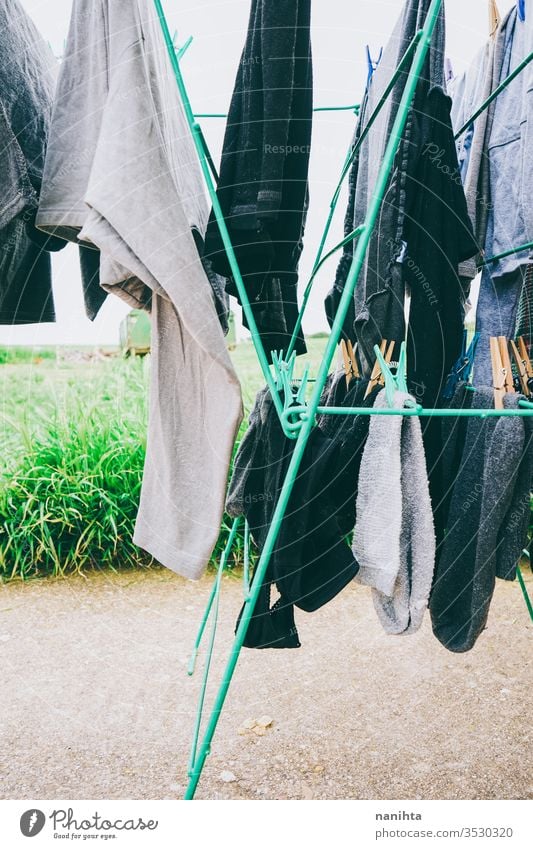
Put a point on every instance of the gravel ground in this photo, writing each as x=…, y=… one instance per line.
x=96, y=703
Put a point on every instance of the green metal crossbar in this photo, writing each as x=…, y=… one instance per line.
x=353, y=108
x=527, y=247
x=299, y=420
x=497, y=91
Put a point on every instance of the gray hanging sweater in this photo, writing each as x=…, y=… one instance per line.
x=122, y=168
x=394, y=539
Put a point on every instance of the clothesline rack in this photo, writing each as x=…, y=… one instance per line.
x=298, y=422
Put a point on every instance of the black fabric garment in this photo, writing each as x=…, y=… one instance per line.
x=439, y=236
x=25, y=278
x=377, y=311
x=263, y=187
x=486, y=523
x=446, y=466
x=26, y=92
x=93, y=294
x=423, y=229
x=311, y=561
x=524, y=321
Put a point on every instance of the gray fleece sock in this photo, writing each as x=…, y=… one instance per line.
x=394, y=541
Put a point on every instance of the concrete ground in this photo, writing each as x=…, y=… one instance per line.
x=96, y=704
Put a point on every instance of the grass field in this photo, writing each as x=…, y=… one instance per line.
x=72, y=443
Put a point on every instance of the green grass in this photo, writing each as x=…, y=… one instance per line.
x=72, y=443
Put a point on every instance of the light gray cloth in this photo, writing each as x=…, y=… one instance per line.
x=510, y=147
x=468, y=92
x=394, y=539
x=496, y=315
x=121, y=165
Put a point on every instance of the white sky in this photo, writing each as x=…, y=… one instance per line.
x=340, y=31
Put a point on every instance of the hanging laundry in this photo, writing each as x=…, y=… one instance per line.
x=27, y=80
x=124, y=172
x=394, y=538
x=524, y=320
x=506, y=195
x=491, y=469
x=403, y=254
x=79, y=107
x=468, y=92
x=311, y=561
x=263, y=187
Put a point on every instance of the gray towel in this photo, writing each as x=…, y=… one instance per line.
x=394, y=541
x=482, y=538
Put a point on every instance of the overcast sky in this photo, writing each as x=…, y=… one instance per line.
x=340, y=31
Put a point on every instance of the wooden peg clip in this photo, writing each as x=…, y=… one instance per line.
x=506, y=362
x=376, y=378
x=521, y=368
x=499, y=372
x=349, y=356
x=494, y=18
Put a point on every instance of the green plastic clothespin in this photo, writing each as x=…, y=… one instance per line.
x=393, y=382
x=180, y=51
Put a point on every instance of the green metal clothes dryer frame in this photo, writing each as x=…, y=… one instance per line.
x=299, y=407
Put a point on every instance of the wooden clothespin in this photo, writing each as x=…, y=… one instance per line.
x=376, y=378
x=521, y=368
x=494, y=18
x=501, y=378
x=523, y=365
x=349, y=356
x=522, y=347
x=506, y=362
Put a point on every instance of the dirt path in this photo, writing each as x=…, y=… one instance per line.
x=96, y=704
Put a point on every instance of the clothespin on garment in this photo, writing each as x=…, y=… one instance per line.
x=524, y=366
x=523, y=377
x=506, y=361
x=462, y=369
x=371, y=63
x=521, y=4
x=494, y=18
x=349, y=357
x=502, y=376
x=377, y=377
x=394, y=382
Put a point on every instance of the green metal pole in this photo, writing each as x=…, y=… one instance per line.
x=197, y=138
x=525, y=412
x=510, y=252
x=216, y=584
x=309, y=421
x=353, y=108
x=214, y=599
x=497, y=91
x=523, y=587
